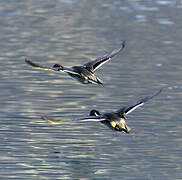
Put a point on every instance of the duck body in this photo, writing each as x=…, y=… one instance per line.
x=113, y=120
x=116, y=120
x=85, y=73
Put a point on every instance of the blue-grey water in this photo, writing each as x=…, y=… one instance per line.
x=72, y=32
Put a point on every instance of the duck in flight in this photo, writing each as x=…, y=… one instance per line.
x=116, y=120
x=84, y=74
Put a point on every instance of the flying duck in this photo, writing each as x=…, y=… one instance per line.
x=84, y=74
x=116, y=120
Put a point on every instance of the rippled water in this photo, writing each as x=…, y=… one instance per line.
x=72, y=32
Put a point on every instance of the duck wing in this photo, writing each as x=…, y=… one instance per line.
x=37, y=66
x=128, y=109
x=91, y=119
x=51, y=120
x=98, y=62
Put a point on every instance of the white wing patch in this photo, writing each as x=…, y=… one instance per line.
x=69, y=71
x=135, y=107
x=102, y=63
x=91, y=119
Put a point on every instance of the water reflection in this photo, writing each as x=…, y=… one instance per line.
x=75, y=31
x=164, y=21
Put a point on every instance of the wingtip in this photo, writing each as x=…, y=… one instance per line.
x=159, y=91
x=123, y=44
x=155, y=94
x=50, y=120
x=29, y=62
x=26, y=60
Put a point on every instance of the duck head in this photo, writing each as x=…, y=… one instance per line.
x=94, y=113
x=57, y=67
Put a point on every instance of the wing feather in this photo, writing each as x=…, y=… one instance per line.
x=98, y=62
x=37, y=66
x=91, y=119
x=128, y=109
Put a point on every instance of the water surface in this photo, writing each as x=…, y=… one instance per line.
x=72, y=32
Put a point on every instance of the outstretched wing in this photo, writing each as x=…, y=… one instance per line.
x=51, y=120
x=95, y=64
x=91, y=119
x=81, y=119
x=37, y=66
x=128, y=109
